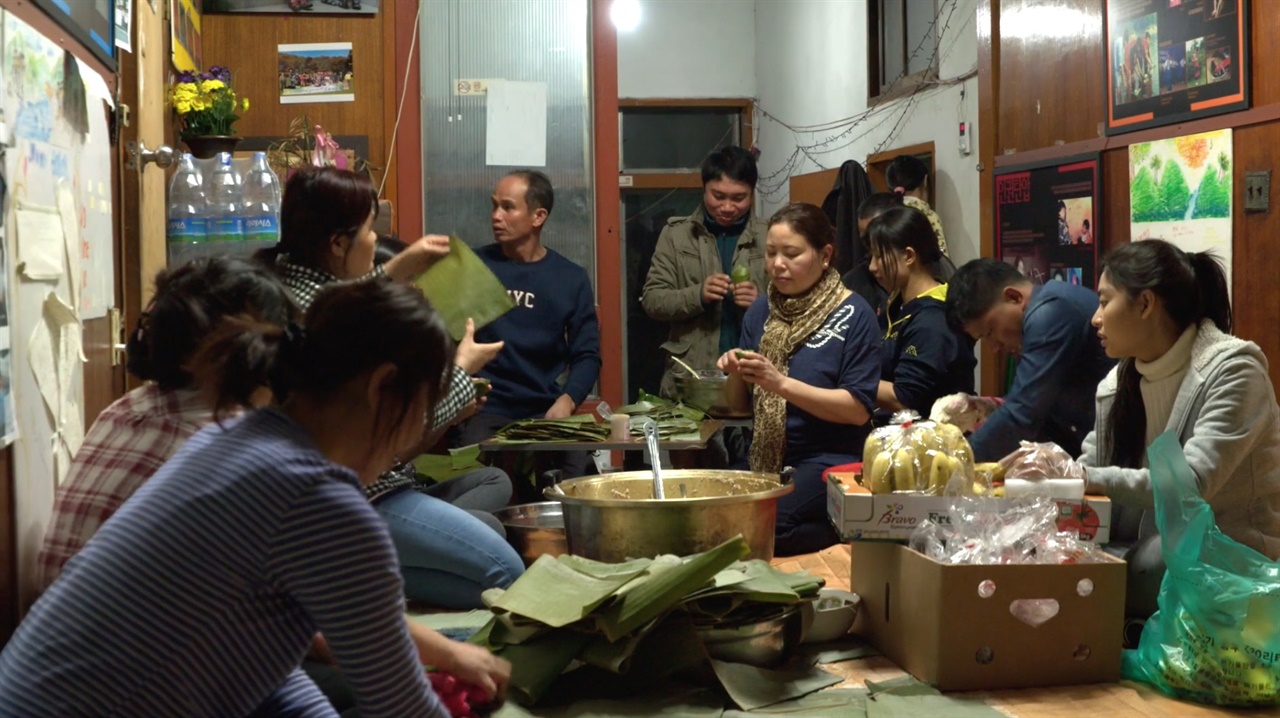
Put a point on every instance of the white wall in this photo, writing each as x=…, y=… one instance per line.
x=689, y=49
x=811, y=69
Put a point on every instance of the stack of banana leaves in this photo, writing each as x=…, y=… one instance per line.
x=676, y=422
x=636, y=621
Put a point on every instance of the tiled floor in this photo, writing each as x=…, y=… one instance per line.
x=831, y=564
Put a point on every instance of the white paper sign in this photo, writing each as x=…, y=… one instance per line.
x=41, y=243
x=516, y=124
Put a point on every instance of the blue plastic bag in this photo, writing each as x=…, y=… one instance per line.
x=1216, y=637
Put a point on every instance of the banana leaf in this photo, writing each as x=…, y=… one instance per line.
x=537, y=664
x=656, y=593
x=553, y=593
x=460, y=286
x=579, y=427
x=442, y=467
x=751, y=687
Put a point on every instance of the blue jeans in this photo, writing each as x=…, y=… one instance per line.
x=447, y=556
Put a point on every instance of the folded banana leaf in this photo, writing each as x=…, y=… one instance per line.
x=751, y=687
x=537, y=664
x=461, y=287
x=442, y=467
x=653, y=594
x=556, y=594
x=579, y=427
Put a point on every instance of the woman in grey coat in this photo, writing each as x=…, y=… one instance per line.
x=1166, y=315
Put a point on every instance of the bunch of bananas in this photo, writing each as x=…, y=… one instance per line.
x=918, y=457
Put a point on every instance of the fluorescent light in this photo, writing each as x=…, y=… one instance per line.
x=625, y=14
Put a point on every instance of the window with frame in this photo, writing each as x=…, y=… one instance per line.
x=902, y=47
x=662, y=144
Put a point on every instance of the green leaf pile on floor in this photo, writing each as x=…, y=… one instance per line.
x=636, y=623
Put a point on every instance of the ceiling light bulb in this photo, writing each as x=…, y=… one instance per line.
x=625, y=14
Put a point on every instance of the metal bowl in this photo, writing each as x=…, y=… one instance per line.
x=535, y=529
x=615, y=517
x=763, y=643
x=708, y=390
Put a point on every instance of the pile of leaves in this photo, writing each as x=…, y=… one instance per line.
x=675, y=420
x=579, y=427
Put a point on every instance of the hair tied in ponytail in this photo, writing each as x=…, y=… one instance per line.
x=900, y=190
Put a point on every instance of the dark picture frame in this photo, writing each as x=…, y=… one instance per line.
x=1043, y=211
x=85, y=21
x=1171, y=61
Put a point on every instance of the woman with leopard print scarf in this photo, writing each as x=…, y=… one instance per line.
x=810, y=354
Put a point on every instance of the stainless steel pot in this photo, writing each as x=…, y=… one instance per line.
x=535, y=529
x=712, y=391
x=615, y=517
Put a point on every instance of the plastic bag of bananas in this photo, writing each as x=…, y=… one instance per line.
x=910, y=455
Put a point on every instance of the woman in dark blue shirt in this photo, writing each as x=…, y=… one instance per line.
x=811, y=354
x=924, y=358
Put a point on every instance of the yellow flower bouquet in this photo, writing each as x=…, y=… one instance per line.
x=206, y=103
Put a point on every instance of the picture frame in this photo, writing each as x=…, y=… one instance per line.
x=1171, y=61
x=91, y=22
x=1049, y=219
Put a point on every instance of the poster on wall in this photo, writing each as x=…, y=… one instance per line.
x=92, y=22
x=316, y=72
x=1048, y=218
x=124, y=25
x=309, y=7
x=34, y=71
x=1171, y=61
x=184, y=31
x=1180, y=191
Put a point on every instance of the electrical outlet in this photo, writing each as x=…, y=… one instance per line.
x=1257, y=191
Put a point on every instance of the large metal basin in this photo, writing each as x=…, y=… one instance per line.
x=615, y=517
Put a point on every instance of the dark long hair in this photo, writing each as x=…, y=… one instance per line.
x=907, y=172
x=320, y=203
x=350, y=329
x=1192, y=287
x=897, y=230
x=190, y=301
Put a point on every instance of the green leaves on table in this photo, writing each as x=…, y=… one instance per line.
x=579, y=427
x=460, y=287
x=675, y=421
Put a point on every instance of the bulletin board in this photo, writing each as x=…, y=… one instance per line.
x=57, y=259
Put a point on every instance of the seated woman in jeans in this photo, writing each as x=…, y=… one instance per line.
x=811, y=354
x=449, y=550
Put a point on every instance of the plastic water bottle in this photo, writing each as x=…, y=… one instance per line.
x=185, y=229
x=261, y=209
x=226, y=218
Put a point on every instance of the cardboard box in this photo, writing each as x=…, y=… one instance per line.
x=931, y=619
x=859, y=515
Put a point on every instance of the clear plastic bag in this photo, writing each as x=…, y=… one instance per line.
x=1216, y=637
x=916, y=456
x=988, y=531
x=1034, y=461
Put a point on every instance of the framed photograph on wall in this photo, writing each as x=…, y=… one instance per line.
x=1048, y=219
x=1170, y=61
x=301, y=7
x=91, y=22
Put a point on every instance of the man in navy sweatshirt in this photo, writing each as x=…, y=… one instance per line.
x=1061, y=360
x=551, y=359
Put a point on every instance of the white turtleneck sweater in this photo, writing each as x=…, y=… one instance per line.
x=1161, y=380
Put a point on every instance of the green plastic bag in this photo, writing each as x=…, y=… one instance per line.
x=1216, y=637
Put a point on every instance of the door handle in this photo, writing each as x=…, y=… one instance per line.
x=162, y=156
x=116, y=327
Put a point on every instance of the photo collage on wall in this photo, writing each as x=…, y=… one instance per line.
x=1175, y=60
x=1048, y=220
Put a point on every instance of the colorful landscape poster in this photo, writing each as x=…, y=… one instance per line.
x=1048, y=219
x=1175, y=60
x=1180, y=191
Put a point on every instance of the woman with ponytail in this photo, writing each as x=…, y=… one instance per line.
x=1166, y=315
x=908, y=177
x=202, y=593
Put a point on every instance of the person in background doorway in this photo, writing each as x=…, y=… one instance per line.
x=908, y=176
x=1166, y=315
x=199, y=597
x=1060, y=360
x=925, y=359
x=860, y=279
x=553, y=332
x=450, y=551
x=708, y=267
x=811, y=356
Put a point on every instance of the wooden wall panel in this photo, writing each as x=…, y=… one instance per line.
x=247, y=44
x=1051, y=71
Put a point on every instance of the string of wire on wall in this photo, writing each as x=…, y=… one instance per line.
x=898, y=111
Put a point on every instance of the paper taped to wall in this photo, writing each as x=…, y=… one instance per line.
x=41, y=243
x=516, y=124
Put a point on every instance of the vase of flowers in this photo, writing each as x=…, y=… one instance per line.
x=206, y=105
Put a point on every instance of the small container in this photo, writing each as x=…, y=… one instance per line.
x=620, y=427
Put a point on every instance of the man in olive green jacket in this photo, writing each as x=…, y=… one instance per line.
x=691, y=283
